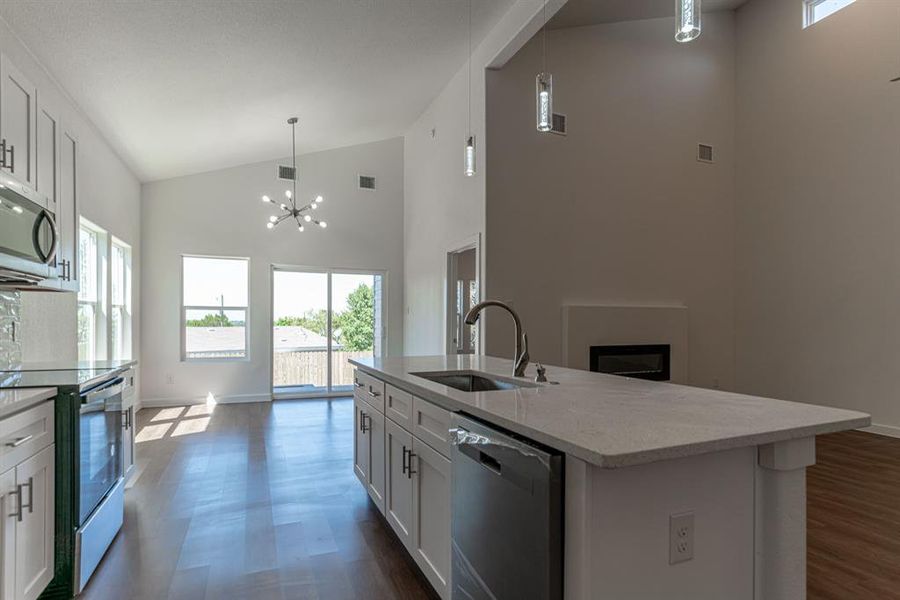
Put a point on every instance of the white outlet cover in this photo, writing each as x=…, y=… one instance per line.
x=681, y=538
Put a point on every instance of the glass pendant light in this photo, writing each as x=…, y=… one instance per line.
x=544, y=86
x=544, y=90
x=469, y=155
x=687, y=14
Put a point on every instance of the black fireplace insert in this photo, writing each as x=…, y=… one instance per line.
x=641, y=361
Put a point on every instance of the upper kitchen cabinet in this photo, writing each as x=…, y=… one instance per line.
x=47, y=152
x=67, y=209
x=18, y=107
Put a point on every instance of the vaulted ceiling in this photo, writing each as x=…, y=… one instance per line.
x=195, y=85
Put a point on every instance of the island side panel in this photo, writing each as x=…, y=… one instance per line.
x=617, y=528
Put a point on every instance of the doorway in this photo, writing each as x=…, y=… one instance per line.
x=463, y=292
x=321, y=318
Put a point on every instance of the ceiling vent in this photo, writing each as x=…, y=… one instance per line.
x=559, y=124
x=705, y=153
x=285, y=172
x=366, y=182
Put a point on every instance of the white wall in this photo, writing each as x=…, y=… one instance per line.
x=818, y=216
x=619, y=211
x=443, y=207
x=219, y=213
x=109, y=196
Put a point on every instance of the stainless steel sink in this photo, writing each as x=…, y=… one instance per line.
x=473, y=381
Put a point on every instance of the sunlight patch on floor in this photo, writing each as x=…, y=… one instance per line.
x=149, y=433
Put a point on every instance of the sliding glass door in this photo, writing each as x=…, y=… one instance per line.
x=320, y=319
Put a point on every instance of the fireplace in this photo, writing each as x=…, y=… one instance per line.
x=641, y=361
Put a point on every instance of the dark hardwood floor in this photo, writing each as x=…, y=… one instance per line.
x=259, y=501
x=252, y=501
x=854, y=518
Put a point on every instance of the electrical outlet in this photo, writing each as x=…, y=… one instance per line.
x=170, y=379
x=681, y=538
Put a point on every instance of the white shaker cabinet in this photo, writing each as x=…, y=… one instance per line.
x=47, y=169
x=398, y=494
x=431, y=515
x=67, y=209
x=18, y=105
x=28, y=520
x=361, y=442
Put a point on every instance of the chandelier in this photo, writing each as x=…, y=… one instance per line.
x=290, y=210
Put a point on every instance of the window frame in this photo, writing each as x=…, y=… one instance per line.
x=185, y=307
x=100, y=330
x=126, y=306
x=809, y=11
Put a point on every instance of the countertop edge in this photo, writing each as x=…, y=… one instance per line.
x=631, y=459
x=29, y=398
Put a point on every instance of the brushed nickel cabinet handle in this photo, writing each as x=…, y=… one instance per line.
x=19, y=513
x=20, y=441
x=363, y=417
x=30, y=505
x=409, y=469
x=404, y=467
x=374, y=394
x=359, y=385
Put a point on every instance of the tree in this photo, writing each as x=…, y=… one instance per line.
x=314, y=320
x=358, y=322
x=211, y=320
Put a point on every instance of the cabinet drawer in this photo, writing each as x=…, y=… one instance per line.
x=398, y=406
x=26, y=434
x=369, y=389
x=431, y=424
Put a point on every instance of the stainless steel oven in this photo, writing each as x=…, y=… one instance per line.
x=100, y=455
x=101, y=490
x=28, y=237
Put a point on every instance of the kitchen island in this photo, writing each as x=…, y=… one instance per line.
x=637, y=454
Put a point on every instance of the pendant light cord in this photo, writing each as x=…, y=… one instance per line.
x=544, y=41
x=469, y=70
x=294, y=164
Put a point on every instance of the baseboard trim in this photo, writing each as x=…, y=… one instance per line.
x=233, y=399
x=886, y=430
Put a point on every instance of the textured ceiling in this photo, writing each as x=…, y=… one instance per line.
x=578, y=13
x=181, y=87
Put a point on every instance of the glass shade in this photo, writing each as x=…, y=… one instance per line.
x=687, y=14
x=470, y=156
x=544, y=93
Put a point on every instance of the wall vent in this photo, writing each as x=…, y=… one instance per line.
x=284, y=172
x=366, y=182
x=705, y=153
x=559, y=124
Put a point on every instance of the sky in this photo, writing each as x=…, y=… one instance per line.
x=207, y=280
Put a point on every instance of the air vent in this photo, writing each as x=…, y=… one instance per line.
x=366, y=182
x=285, y=172
x=559, y=124
x=705, y=153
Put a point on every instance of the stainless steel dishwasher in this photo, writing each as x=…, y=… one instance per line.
x=507, y=516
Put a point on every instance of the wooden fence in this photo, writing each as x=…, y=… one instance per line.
x=311, y=368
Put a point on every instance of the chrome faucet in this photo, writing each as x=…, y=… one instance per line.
x=521, y=357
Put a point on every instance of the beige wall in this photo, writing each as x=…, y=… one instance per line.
x=818, y=211
x=220, y=214
x=444, y=208
x=619, y=211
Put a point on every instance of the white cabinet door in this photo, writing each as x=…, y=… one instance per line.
x=361, y=441
x=47, y=153
x=35, y=532
x=431, y=515
x=398, y=486
x=376, y=458
x=17, y=122
x=8, y=535
x=67, y=208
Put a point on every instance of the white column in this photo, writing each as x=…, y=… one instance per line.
x=780, y=566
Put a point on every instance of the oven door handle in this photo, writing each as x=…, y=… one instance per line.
x=99, y=396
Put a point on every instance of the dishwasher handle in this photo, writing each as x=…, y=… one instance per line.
x=499, y=457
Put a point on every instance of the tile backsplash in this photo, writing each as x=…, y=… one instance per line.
x=10, y=327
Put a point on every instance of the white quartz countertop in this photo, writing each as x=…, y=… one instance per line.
x=15, y=400
x=612, y=421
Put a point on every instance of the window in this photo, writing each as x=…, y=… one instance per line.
x=120, y=300
x=214, y=308
x=816, y=10
x=91, y=292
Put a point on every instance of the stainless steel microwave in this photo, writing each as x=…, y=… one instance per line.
x=29, y=237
